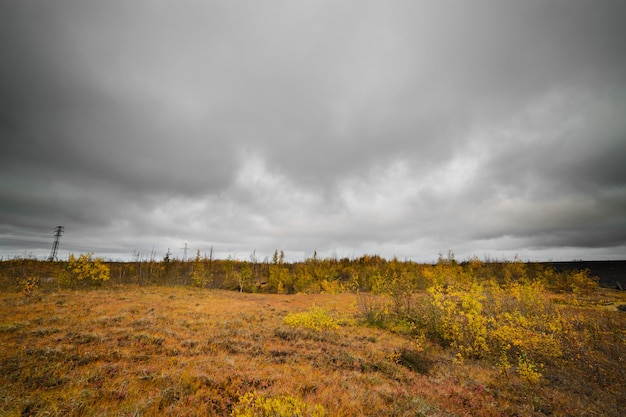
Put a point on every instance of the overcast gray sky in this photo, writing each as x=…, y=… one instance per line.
x=406, y=128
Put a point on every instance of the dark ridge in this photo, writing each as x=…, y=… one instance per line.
x=609, y=272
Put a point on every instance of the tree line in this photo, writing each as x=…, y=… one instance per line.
x=366, y=274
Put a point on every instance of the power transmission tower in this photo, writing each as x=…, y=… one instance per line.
x=185, y=252
x=58, y=231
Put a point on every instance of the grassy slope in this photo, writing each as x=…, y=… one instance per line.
x=185, y=351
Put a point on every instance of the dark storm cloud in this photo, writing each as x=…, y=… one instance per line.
x=68, y=105
x=399, y=127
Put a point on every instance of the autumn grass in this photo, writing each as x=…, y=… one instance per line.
x=177, y=351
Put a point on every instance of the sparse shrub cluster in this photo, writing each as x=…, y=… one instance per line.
x=516, y=322
x=499, y=312
x=26, y=275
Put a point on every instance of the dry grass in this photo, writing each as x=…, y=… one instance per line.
x=144, y=351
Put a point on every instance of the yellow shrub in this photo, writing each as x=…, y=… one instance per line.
x=458, y=319
x=315, y=319
x=515, y=271
x=199, y=277
x=527, y=370
x=84, y=268
x=29, y=284
x=503, y=362
x=331, y=287
x=481, y=320
x=523, y=318
x=257, y=405
x=581, y=283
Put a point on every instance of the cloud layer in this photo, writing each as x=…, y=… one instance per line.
x=400, y=128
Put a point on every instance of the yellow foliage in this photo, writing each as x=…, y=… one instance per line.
x=279, y=280
x=479, y=321
x=581, y=283
x=527, y=370
x=29, y=284
x=515, y=271
x=523, y=318
x=84, y=268
x=379, y=283
x=503, y=363
x=315, y=319
x=198, y=273
x=459, y=319
x=252, y=404
x=331, y=287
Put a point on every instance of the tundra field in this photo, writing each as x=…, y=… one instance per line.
x=364, y=337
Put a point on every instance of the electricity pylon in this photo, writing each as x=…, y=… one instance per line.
x=185, y=252
x=58, y=231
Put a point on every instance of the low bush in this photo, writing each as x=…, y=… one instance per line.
x=315, y=319
x=85, y=269
x=252, y=404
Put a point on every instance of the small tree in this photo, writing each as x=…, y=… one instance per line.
x=245, y=276
x=87, y=269
x=279, y=278
x=198, y=275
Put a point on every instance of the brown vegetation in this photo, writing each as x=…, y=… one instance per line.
x=370, y=338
